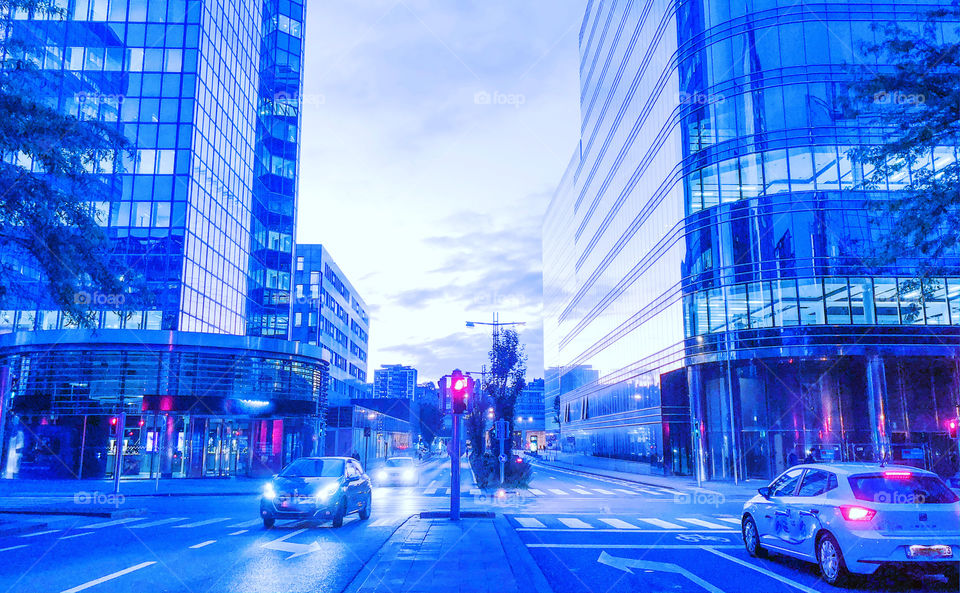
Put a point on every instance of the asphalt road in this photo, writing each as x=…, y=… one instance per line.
x=588, y=534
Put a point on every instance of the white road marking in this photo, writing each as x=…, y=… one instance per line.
x=239, y=532
x=555, y=491
x=76, y=535
x=475, y=492
x=662, y=523
x=37, y=533
x=535, y=492
x=383, y=522
x=13, y=548
x=625, y=491
x=529, y=522
x=429, y=491
x=432, y=484
x=573, y=523
x=729, y=520
x=579, y=491
x=282, y=545
x=635, y=546
x=201, y=523
x=763, y=571
x=202, y=544
x=245, y=524
x=645, y=491
x=109, y=577
x=702, y=523
x=618, y=523
x=602, y=491
x=160, y=522
x=115, y=522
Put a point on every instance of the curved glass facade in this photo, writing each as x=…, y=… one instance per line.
x=706, y=246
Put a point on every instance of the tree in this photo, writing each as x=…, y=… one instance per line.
x=507, y=377
x=476, y=424
x=430, y=421
x=54, y=169
x=915, y=99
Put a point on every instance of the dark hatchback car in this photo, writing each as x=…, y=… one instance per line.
x=317, y=489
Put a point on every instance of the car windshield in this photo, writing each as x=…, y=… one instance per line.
x=400, y=462
x=902, y=488
x=313, y=468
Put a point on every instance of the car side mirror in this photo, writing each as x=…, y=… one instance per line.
x=764, y=492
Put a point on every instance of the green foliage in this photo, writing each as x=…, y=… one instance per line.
x=53, y=167
x=507, y=377
x=431, y=421
x=916, y=100
x=487, y=470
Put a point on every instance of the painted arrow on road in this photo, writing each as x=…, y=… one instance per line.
x=282, y=545
x=626, y=564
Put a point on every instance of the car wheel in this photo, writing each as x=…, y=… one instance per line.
x=365, y=511
x=339, y=514
x=833, y=569
x=751, y=538
x=268, y=522
x=953, y=578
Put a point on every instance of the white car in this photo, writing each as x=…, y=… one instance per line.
x=398, y=470
x=856, y=518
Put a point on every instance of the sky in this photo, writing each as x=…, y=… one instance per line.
x=434, y=134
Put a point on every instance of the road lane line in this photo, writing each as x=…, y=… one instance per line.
x=529, y=522
x=160, y=522
x=13, y=548
x=763, y=571
x=76, y=535
x=38, y=533
x=599, y=546
x=702, y=523
x=556, y=491
x=579, y=491
x=625, y=491
x=202, y=544
x=618, y=523
x=602, y=491
x=662, y=523
x=729, y=520
x=109, y=577
x=535, y=492
x=239, y=532
x=573, y=523
x=113, y=523
x=645, y=491
x=201, y=523
x=245, y=524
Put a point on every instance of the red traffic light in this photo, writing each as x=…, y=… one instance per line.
x=461, y=389
x=952, y=427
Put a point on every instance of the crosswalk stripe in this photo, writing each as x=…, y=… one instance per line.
x=432, y=484
x=529, y=522
x=157, y=523
x=475, y=492
x=662, y=523
x=201, y=523
x=429, y=491
x=245, y=524
x=702, y=523
x=618, y=523
x=115, y=522
x=383, y=522
x=645, y=491
x=555, y=491
x=202, y=544
x=625, y=491
x=76, y=535
x=38, y=533
x=579, y=491
x=602, y=491
x=242, y=531
x=535, y=492
x=13, y=548
x=665, y=491
x=574, y=523
x=729, y=520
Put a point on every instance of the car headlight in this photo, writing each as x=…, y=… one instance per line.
x=381, y=475
x=268, y=492
x=324, y=494
x=409, y=474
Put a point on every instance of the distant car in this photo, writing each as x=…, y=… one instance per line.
x=857, y=518
x=319, y=489
x=398, y=471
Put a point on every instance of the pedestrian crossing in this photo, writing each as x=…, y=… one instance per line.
x=432, y=489
x=627, y=523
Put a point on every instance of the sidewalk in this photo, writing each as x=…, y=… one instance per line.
x=68, y=489
x=443, y=556
x=682, y=484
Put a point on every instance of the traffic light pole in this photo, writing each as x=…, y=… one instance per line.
x=455, y=470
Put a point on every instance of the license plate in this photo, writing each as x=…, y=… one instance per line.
x=930, y=552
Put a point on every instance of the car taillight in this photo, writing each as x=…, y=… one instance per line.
x=853, y=513
x=898, y=475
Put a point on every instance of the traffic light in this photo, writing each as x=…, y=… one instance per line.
x=952, y=427
x=461, y=390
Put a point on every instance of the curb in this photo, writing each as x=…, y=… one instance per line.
x=525, y=569
x=105, y=513
x=20, y=527
x=463, y=515
x=370, y=566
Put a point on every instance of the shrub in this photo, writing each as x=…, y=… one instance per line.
x=517, y=471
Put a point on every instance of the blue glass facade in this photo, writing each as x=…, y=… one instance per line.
x=708, y=308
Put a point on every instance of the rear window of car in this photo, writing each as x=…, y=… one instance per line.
x=902, y=489
x=400, y=462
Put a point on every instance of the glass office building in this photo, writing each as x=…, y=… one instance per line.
x=708, y=310
x=208, y=94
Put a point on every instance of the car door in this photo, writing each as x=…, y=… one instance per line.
x=801, y=512
x=354, y=479
x=773, y=517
